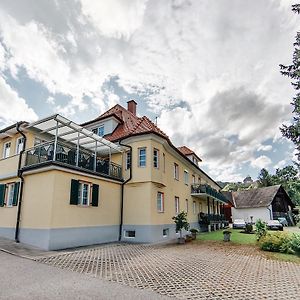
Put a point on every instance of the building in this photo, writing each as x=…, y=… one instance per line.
x=115, y=178
x=265, y=203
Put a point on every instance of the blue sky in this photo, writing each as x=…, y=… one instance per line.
x=208, y=70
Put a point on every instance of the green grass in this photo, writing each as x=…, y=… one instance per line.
x=236, y=237
x=282, y=257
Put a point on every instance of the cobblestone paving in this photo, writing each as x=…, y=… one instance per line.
x=192, y=271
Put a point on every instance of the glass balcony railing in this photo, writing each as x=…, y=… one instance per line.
x=198, y=189
x=67, y=155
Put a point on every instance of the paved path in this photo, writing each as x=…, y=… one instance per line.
x=192, y=271
x=24, y=279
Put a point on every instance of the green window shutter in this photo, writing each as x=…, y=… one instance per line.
x=16, y=193
x=74, y=192
x=95, y=194
x=2, y=194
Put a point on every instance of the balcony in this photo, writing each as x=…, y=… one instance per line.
x=206, y=190
x=66, y=155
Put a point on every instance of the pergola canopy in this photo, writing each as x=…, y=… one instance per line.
x=62, y=129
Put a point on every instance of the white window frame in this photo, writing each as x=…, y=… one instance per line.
x=177, y=205
x=139, y=157
x=156, y=158
x=194, y=207
x=127, y=160
x=80, y=193
x=186, y=177
x=18, y=148
x=166, y=232
x=176, y=171
x=5, y=155
x=9, y=195
x=129, y=237
x=160, y=202
x=193, y=179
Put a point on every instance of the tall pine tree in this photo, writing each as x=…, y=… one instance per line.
x=292, y=131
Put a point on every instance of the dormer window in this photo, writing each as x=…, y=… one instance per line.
x=99, y=131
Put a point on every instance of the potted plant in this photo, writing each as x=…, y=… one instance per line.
x=181, y=223
x=226, y=234
x=194, y=232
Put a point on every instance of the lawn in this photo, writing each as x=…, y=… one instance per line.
x=245, y=239
x=236, y=237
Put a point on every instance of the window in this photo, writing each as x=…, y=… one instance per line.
x=160, y=202
x=99, y=131
x=84, y=193
x=129, y=233
x=156, y=158
x=176, y=171
x=142, y=157
x=164, y=162
x=165, y=232
x=176, y=205
x=128, y=160
x=193, y=179
x=187, y=205
x=19, y=145
x=10, y=194
x=38, y=141
x=186, y=177
x=194, y=207
x=6, y=149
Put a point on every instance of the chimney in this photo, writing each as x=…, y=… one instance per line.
x=131, y=106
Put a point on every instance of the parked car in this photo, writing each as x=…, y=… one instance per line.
x=239, y=223
x=274, y=225
x=283, y=221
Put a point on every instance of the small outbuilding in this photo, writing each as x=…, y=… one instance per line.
x=267, y=203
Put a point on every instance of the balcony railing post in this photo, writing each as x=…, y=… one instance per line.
x=77, y=150
x=109, y=166
x=95, y=158
x=55, y=142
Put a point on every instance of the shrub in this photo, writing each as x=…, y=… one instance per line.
x=276, y=242
x=261, y=229
x=194, y=230
x=181, y=222
x=295, y=243
x=248, y=228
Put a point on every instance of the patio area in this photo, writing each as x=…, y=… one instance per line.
x=198, y=270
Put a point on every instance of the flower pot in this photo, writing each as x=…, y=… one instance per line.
x=194, y=235
x=181, y=240
x=227, y=236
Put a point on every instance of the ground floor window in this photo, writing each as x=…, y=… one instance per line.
x=165, y=232
x=84, y=193
x=160, y=202
x=9, y=194
x=177, y=205
x=194, y=207
x=129, y=233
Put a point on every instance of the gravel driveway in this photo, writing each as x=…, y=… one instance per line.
x=192, y=271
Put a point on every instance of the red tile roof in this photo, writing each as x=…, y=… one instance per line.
x=130, y=124
x=187, y=151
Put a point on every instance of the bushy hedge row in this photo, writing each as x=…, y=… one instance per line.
x=281, y=242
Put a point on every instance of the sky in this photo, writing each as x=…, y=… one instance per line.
x=206, y=70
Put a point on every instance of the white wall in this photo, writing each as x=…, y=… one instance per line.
x=262, y=213
x=109, y=125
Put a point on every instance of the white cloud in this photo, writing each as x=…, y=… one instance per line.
x=280, y=164
x=50, y=100
x=261, y=162
x=264, y=148
x=13, y=107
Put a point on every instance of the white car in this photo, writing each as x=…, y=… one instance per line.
x=239, y=223
x=274, y=225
